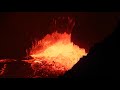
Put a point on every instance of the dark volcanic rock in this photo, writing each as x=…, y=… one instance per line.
x=16, y=69
x=102, y=60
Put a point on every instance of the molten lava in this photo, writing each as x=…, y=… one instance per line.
x=55, y=53
x=50, y=57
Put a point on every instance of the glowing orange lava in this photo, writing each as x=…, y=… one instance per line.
x=55, y=53
x=50, y=57
x=58, y=48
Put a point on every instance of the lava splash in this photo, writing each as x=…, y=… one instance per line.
x=54, y=55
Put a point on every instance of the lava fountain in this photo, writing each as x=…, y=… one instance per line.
x=54, y=55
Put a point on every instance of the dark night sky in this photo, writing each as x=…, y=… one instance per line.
x=17, y=29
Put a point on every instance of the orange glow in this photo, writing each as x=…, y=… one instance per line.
x=57, y=52
x=51, y=56
x=58, y=48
